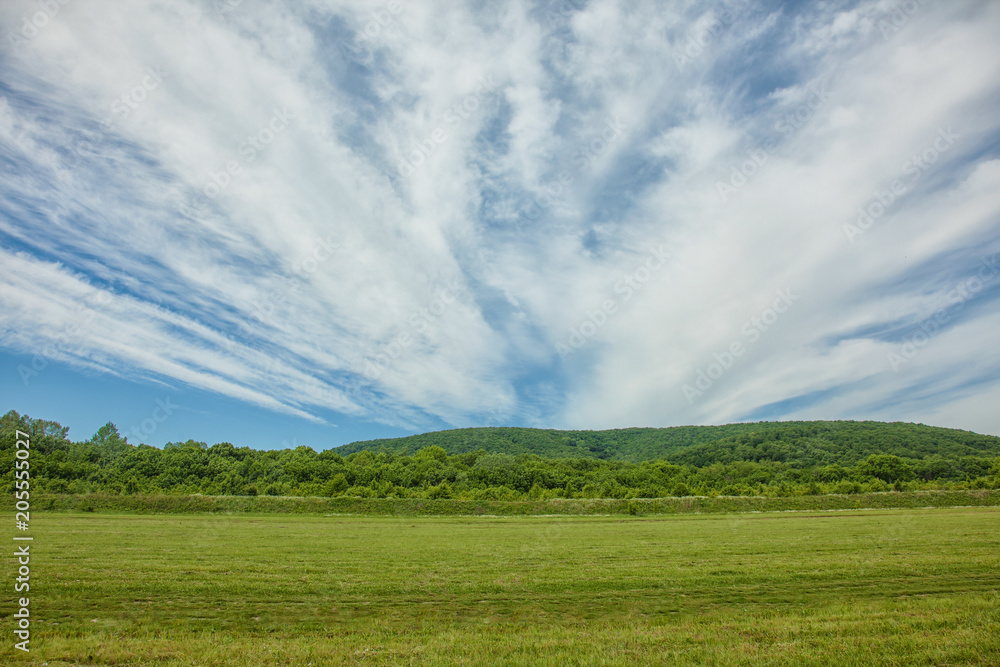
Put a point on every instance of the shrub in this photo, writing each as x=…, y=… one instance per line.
x=846, y=487
x=442, y=490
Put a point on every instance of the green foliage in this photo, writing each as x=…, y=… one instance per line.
x=781, y=460
x=442, y=490
x=798, y=444
x=433, y=453
x=887, y=468
x=337, y=485
x=497, y=502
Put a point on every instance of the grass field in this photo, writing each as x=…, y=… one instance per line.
x=897, y=587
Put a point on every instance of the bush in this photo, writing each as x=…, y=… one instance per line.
x=337, y=485
x=877, y=486
x=442, y=490
x=131, y=486
x=846, y=487
x=56, y=486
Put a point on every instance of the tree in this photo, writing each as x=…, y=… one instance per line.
x=442, y=490
x=887, y=468
x=433, y=452
x=131, y=486
x=110, y=442
x=337, y=485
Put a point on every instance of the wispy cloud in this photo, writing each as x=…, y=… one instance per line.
x=269, y=201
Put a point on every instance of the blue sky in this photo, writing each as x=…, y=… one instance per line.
x=312, y=223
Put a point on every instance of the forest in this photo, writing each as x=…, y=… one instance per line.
x=497, y=463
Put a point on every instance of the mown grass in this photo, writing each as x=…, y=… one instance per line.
x=899, y=587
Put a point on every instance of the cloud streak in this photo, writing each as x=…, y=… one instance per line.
x=407, y=213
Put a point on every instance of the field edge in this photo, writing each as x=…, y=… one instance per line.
x=341, y=505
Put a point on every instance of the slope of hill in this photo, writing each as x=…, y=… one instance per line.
x=800, y=444
x=780, y=459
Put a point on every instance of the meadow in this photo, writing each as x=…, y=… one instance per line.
x=875, y=587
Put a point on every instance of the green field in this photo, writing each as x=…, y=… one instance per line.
x=899, y=587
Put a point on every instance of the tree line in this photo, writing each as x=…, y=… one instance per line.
x=800, y=444
x=748, y=464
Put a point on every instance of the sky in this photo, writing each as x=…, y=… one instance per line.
x=278, y=224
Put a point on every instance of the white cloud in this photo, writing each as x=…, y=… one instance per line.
x=317, y=253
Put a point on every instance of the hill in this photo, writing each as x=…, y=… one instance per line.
x=799, y=444
x=781, y=459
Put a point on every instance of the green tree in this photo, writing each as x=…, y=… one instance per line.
x=442, y=490
x=887, y=468
x=433, y=452
x=131, y=486
x=337, y=485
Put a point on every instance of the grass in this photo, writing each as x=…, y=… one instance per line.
x=884, y=587
x=192, y=504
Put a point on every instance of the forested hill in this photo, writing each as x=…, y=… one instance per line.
x=800, y=444
x=764, y=459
